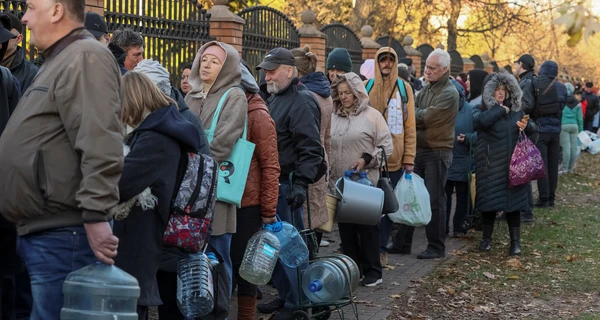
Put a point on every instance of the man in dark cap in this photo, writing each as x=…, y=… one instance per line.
x=95, y=24
x=14, y=59
x=297, y=119
x=593, y=106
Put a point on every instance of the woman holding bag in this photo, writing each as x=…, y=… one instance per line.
x=357, y=131
x=499, y=121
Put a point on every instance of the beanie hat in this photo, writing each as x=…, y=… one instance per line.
x=570, y=88
x=216, y=51
x=339, y=59
x=157, y=73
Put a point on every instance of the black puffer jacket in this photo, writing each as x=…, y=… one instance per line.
x=498, y=135
x=298, y=121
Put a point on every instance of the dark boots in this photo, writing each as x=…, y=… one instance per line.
x=486, y=239
x=246, y=307
x=515, y=241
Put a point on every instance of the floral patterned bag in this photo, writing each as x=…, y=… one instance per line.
x=526, y=163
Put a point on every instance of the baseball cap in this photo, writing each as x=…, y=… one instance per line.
x=277, y=57
x=95, y=24
x=15, y=23
x=5, y=33
x=527, y=59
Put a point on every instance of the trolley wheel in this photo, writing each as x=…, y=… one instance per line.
x=326, y=315
x=300, y=315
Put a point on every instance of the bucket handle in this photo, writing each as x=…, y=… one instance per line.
x=338, y=189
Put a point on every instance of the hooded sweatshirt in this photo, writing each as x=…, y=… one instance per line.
x=403, y=131
x=231, y=121
x=152, y=162
x=552, y=124
x=436, y=109
x=360, y=132
x=476, y=77
x=319, y=85
x=572, y=113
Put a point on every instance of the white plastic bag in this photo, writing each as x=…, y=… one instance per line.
x=413, y=197
x=594, y=147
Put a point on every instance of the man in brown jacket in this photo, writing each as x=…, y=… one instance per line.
x=61, y=154
x=386, y=97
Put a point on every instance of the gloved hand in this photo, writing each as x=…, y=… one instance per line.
x=297, y=195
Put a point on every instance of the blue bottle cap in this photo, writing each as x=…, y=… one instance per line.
x=274, y=227
x=211, y=256
x=408, y=176
x=348, y=173
x=315, y=286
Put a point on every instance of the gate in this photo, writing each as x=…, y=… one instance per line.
x=384, y=41
x=18, y=8
x=340, y=36
x=173, y=30
x=457, y=63
x=477, y=61
x=425, y=51
x=265, y=29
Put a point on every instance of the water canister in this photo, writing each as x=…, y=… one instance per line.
x=294, y=251
x=330, y=279
x=364, y=179
x=360, y=204
x=100, y=292
x=195, y=288
x=260, y=257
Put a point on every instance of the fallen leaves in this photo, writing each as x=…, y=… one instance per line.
x=572, y=258
x=489, y=275
x=396, y=296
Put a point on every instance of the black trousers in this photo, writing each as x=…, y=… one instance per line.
x=549, y=146
x=361, y=243
x=249, y=221
x=432, y=166
x=513, y=219
x=588, y=124
x=462, y=205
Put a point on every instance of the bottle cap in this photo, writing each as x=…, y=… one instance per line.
x=315, y=286
x=274, y=227
x=211, y=256
x=408, y=176
x=347, y=173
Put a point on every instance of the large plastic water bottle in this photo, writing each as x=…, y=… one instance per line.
x=195, y=291
x=260, y=257
x=100, y=291
x=330, y=279
x=364, y=179
x=294, y=251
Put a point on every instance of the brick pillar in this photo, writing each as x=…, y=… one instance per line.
x=412, y=53
x=96, y=6
x=311, y=36
x=369, y=46
x=225, y=26
x=468, y=65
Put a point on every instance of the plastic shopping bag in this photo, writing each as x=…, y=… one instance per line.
x=413, y=197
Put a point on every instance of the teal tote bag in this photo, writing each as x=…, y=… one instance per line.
x=233, y=172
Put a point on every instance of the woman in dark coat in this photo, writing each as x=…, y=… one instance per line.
x=156, y=132
x=474, y=84
x=498, y=121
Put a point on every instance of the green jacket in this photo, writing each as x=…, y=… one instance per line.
x=572, y=113
x=436, y=108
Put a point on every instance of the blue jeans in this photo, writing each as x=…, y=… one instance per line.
x=50, y=256
x=285, y=278
x=385, y=224
x=222, y=244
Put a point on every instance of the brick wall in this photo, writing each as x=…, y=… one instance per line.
x=317, y=46
x=96, y=6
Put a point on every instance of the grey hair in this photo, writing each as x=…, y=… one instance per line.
x=443, y=56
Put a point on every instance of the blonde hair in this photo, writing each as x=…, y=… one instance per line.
x=140, y=97
x=306, y=61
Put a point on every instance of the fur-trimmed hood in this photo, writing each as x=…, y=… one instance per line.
x=492, y=81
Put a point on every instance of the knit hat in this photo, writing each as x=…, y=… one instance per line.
x=157, y=73
x=570, y=88
x=339, y=59
x=216, y=51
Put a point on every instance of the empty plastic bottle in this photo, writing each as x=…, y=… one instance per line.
x=260, y=257
x=100, y=291
x=195, y=292
x=364, y=179
x=294, y=251
x=330, y=279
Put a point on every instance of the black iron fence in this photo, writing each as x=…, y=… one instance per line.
x=340, y=36
x=425, y=51
x=387, y=41
x=173, y=30
x=18, y=8
x=265, y=29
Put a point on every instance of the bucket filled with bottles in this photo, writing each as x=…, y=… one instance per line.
x=361, y=202
x=330, y=279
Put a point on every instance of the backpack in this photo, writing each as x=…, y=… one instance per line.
x=546, y=98
x=193, y=203
x=403, y=95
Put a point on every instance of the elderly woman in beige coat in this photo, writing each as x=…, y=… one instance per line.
x=357, y=132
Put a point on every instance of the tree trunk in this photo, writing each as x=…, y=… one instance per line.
x=424, y=25
x=453, y=24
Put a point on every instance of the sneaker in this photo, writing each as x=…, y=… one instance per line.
x=542, y=204
x=324, y=243
x=371, y=282
x=271, y=307
x=429, y=254
x=383, y=259
x=562, y=171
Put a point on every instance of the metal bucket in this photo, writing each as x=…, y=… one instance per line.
x=360, y=204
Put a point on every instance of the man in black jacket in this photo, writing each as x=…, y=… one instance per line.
x=297, y=119
x=14, y=59
x=593, y=106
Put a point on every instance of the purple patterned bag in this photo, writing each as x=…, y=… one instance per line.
x=526, y=163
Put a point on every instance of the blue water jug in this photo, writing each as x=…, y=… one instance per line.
x=364, y=179
x=260, y=257
x=294, y=251
x=100, y=291
x=195, y=292
x=330, y=279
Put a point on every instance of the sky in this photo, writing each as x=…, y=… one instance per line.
x=596, y=7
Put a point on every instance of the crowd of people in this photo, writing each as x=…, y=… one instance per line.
x=65, y=126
